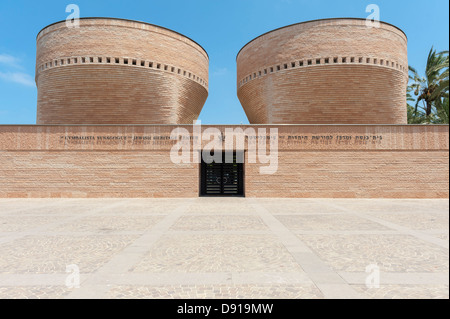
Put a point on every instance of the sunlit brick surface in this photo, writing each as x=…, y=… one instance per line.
x=407, y=161
x=333, y=71
x=112, y=71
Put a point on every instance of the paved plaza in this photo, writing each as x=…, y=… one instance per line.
x=224, y=248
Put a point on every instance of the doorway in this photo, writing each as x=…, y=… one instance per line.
x=223, y=179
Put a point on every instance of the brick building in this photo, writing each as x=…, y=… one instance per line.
x=331, y=71
x=114, y=71
x=330, y=94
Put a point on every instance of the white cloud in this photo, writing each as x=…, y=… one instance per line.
x=10, y=61
x=7, y=73
x=17, y=77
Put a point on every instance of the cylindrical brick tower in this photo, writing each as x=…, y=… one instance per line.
x=332, y=71
x=115, y=71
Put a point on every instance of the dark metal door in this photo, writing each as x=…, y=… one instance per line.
x=222, y=179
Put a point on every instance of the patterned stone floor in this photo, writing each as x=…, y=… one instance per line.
x=224, y=248
x=273, y=291
x=217, y=253
x=392, y=253
x=406, y=291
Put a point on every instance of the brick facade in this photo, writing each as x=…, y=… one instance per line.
x=117, y=72
x=113, y=71
x=347, y=161
x=332, y=71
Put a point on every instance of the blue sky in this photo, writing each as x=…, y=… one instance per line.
x=222, y=27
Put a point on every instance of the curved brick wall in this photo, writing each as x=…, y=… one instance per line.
x=113, y=71
x=332, y=71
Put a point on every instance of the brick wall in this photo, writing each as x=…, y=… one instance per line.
x=105, y=94
x=355, y=161
x=333, y=71
x=354, y=174
x=95, y=174
x=118, y=71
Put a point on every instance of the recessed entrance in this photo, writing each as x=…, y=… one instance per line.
x=223, y=179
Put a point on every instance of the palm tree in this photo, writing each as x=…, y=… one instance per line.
x=432, y=89
x=443, y=79
x=442, y=90
x=442, y=110
x=414, y=116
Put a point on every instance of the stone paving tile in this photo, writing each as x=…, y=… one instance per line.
x=15, y=209
x=109, y=223
x=51, y=254
x=217, y=253
x=219, y=223
x=215, y=249
x=94, y=201
x=389, y=205
x=217, y=292
x=28, y=201
x=405, y=292
x=220, y=206
x=328, y=222
x=247, y=210
x=11, y=207
x=297, y=206
x=34, y=292
x=392, y=253
x=418, y=221
x=13, y=223
x=59, y=210
x=138, y=211
x=143, y=207
x=422, y=204
x=443, y=236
